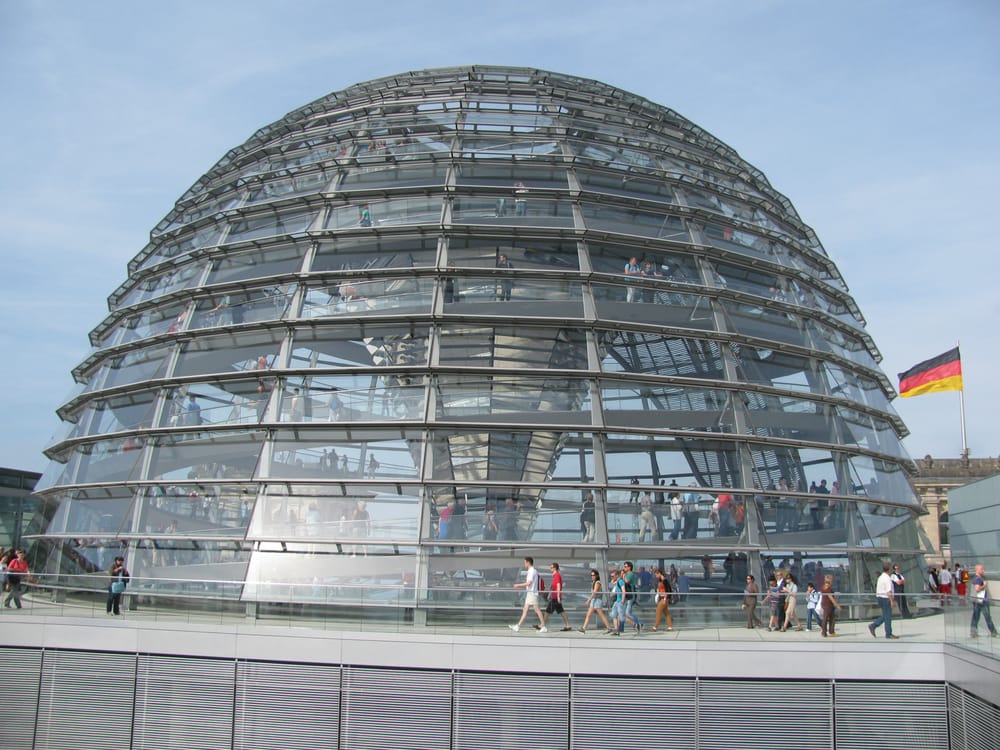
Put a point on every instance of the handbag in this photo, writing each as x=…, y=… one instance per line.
x=118, y=586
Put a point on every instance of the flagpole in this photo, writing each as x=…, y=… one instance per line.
x=961, y=403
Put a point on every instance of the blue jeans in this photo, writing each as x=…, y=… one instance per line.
x=629, y=614
x=810, y=616
x=885, y=617
x=982, y=608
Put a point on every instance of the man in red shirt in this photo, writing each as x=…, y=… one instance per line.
x=555, y=598
x=16, y=571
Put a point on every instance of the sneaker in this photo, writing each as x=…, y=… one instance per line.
x=671, y=627
x=638, y=628
x=583, y=631
x=614, y=632
x=515, y=628
x=543, y=629
x=871, y=629
x=893, y=637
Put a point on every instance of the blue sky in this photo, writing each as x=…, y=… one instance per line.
x=879, y=120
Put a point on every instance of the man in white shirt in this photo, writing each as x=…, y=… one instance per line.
x=883, y=594
x=531, y=597
x=944, y=584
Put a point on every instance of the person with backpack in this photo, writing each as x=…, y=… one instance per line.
x=631, y=581
x=17, y=570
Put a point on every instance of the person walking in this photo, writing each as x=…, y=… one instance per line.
x=899, y=591
x=555, y=599
x=662, y=601
x=17, y=570
x=883, y=593
x=828, y=606
x=530, y=583
x=595, y=603
x=119, y=579
x=791, y=589
x=812, y=606
x=631, y=595
x=980, y=603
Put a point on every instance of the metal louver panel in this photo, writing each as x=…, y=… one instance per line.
x=904, y=715
x=766, y=714
x=86, y=700
x=183, y=703
x=298, y=703
x=402, y=709
x=511, y=712
x=974, y=723
x=647, y=712
x=20, y=668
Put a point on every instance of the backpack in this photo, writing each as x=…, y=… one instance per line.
x=628, y=589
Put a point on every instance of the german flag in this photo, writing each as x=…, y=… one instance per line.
x=942, y=373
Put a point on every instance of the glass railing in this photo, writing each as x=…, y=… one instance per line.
x=477, y=603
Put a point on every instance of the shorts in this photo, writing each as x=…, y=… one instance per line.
x=596, y=604
x=554, y=606
x=531, y=599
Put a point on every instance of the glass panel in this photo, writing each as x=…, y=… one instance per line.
x=113, y=460
x=227, y=402
x=515, y=457
x=526, y=254
x=356, y=295
x=126, y=412
x=484, y=514
x=256, y=263
x=660, y=355
x=506, y=174
x=276, y=189
x=504, y=147
x=516, y=400
x=303, y=454
x=617, y=259
x=201, y=510
x=152, y=322
x=407, y=174
x=170, y=280
x=664, y=406
x=205, y=455
x=270, y=225
x=135, y=366
x=387, y=213
x=285, y=576
x=361, y=346
x=629, y=185
x=881, y=480
x=341, y=513
x=218, y=566
x=635, y=221
x=612, y=155
x=230, y=352
x=236, y=308
x=350, y=398
x=645, y=303
x=519, y=208
x=204, y=237
x=350, y=254
x=524, y=348
x=88, y=515
x=553, y=297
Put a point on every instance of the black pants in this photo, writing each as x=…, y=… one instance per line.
x=114, y=602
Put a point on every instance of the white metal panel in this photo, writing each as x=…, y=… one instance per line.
x=974, y=723
x=765, y=714
x=403, y=709
x=296, y=703
x=511, y=711
x=20, y=668
x=183, y=703
x=901, y=715
x=634, y=712
x=86, y=700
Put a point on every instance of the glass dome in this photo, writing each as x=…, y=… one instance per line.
x=433, y=323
